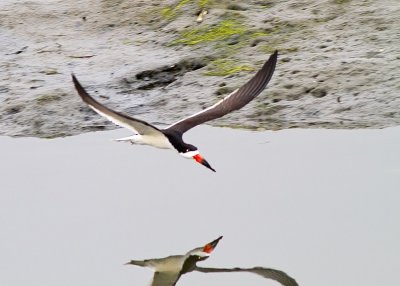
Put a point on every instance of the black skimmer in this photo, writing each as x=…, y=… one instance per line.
x=168, y=270
x=171, y=136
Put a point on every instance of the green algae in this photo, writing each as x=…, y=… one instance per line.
x=211, y=33
x=204, y=3
x=270, y=48
x=257, y=34
x=170, y=12
x=51, y=97
x=224, y=67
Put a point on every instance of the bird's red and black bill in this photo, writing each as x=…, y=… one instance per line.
x=209, y=247
x=201, y=160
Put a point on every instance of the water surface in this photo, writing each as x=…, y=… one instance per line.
x=322, y=205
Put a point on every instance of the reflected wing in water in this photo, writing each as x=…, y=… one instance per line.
x=273, y=274
x=165, y=278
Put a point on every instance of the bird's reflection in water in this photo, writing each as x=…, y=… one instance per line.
x=168, y=270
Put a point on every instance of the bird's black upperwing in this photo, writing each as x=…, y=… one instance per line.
x=136, y=125
x=233, y=101
x=273, y=274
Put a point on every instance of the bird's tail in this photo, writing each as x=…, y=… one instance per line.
x=124, y=139
x=137, y=263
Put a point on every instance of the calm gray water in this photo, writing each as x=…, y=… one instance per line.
x=322, y=205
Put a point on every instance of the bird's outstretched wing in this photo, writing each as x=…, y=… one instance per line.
x=165, y=278
x=233, y=101
x=273, y=274
x=136, y=125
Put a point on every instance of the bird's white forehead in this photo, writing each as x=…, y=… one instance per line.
x=199, y=252
x=190, y=154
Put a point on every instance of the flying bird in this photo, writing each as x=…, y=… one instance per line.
x=168, y=270
x=171, y=136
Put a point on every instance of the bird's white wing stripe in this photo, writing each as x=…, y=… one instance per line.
x=204, y=110
x=114, y=120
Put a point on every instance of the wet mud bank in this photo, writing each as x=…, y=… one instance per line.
x=338, y=64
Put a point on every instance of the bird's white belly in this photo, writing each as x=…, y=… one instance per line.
x=158, y=141
x=155, y=140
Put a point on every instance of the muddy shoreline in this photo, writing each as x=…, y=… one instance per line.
x=338, y=64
